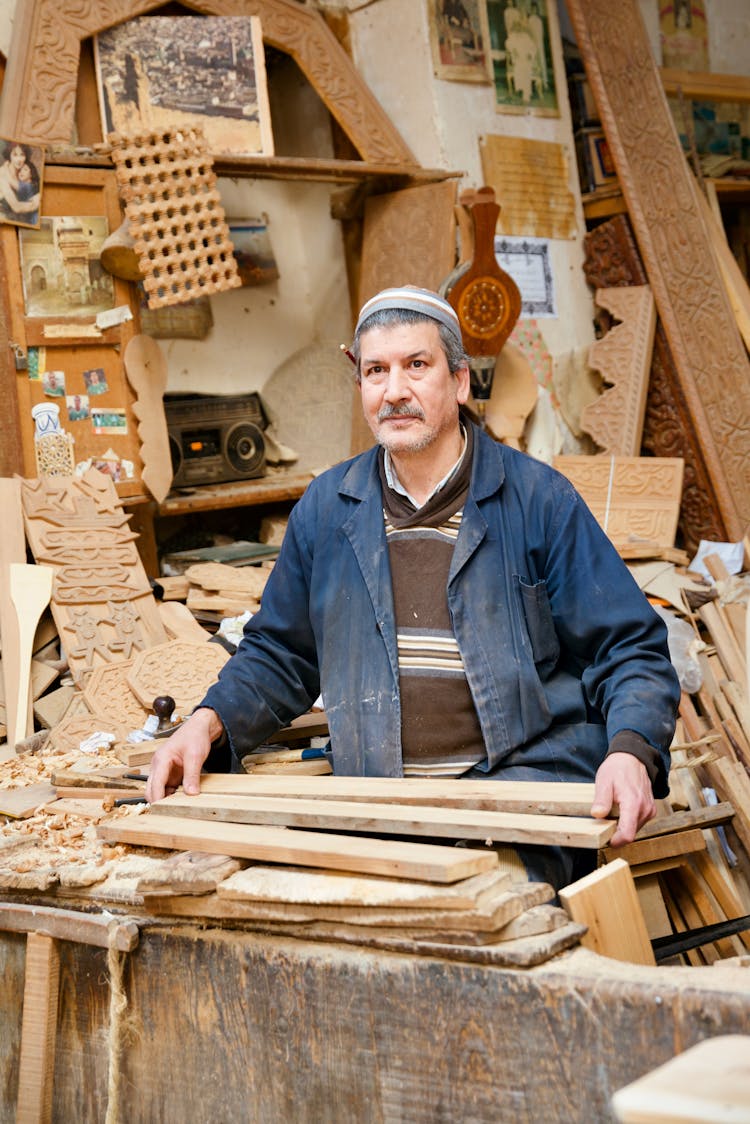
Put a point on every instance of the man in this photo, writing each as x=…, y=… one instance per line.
x=455, y=601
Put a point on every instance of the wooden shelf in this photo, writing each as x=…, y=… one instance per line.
x=310, y=169
x=606, y=202
x=280, y=487
x=705, y=87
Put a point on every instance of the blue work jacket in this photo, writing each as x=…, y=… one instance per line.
x=560, y=647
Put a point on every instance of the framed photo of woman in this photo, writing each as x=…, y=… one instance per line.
x=21, y=173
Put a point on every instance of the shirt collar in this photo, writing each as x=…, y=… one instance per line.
x=396, y=486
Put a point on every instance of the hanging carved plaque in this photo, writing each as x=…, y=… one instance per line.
x=623, y=359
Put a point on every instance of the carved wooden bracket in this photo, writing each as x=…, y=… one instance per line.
x=674, y=242
x=39, y=91
x=623, y=359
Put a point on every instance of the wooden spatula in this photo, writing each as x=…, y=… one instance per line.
x=30, y=592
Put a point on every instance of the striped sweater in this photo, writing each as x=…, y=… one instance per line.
x=440, y=733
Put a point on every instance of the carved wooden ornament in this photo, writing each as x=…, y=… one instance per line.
x=101, y=599
x=632, y=498
x=178, y=668
x=40, y=84
x=109, y=696
x=674, y=241
x=669, y=430
x=623, y=359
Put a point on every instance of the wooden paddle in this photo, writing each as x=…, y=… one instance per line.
x=30, y=592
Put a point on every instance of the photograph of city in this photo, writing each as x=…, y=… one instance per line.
x=160, y=72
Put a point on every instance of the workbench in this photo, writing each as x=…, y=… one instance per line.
x=230, y=1025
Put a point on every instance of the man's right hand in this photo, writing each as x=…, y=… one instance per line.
x=180, y=758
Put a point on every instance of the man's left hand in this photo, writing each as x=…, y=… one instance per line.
x=622, y=779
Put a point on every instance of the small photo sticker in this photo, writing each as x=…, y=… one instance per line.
x=78, y=407
x=111, y=420
x=53, y=383
x=96, y=381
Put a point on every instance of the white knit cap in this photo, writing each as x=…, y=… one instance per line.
x=415, y=300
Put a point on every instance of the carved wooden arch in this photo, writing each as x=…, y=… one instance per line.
x=38, y=101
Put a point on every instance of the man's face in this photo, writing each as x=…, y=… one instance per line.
x=17, y=157
x=409, y=396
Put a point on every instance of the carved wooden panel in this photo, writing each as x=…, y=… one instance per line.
x=179, y=668
x=40, y=83
x=408, y=238
x=631, y=498
x=68, y=734
x=101, y=599
x=108, y=694
x=612, y=259
x=711, y=362
x=623, y=359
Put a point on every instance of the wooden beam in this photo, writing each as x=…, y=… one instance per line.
x=99, y=929
x=340, y=815
x=536, y=797
x=423, y=861
x=607, y=903
x=39, y=1029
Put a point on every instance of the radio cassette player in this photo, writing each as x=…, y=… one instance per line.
x=215, y=438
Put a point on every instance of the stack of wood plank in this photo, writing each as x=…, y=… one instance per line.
x=215, y=587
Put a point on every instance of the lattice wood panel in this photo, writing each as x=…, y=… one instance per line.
x=168, y=187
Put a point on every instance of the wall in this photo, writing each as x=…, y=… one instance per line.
x=442, y=121
x=256, y=329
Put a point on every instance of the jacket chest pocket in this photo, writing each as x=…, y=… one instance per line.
x=545, y=645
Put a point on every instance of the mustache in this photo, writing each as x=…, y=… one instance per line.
x=402, y=411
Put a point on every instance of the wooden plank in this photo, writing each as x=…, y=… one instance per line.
x=99, y=929
x=429, y=863
x=340, y=815
x=703, y=818
x=607, y=903
x=188, y=872
x=37, y=1062
x=314, y=724
x=12, y=550
x=651, y=901
x=536, y=797
x=472, y=926
x=295, y=886
x=20, y=803
x=708, y=1082
x=659, y=847
x=180, y=623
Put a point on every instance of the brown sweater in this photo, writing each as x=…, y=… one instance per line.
x=440, y=732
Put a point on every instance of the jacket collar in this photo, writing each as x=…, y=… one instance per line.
x=361, y=479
